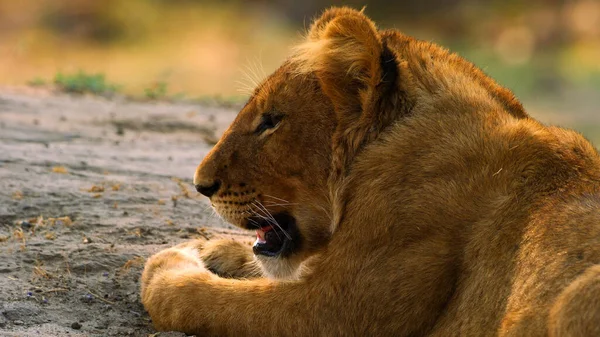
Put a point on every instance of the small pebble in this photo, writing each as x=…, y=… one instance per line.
x=102, y=325
x=76, y=326
x=18, y=322
x=26, y=225
x=87, y=298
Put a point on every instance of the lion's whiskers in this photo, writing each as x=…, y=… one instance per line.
x=270, y=196
x=276, y=204
x=244, y=88
x=268, y=219
x=260, y=205
x=253, y=74
x=254, y=222
x=285, y=203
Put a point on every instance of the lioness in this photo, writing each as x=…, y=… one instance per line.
x=395, y=190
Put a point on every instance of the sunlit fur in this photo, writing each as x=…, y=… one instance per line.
x=429, y=201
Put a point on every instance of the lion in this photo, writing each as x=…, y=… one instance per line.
x=395, y=190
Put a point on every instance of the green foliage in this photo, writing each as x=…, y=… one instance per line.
x=158, y=90
x=230, y=101
x=82, y=82
x=36, y=82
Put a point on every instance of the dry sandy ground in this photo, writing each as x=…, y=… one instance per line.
x=89, y=188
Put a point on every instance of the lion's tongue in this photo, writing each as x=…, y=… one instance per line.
x=260, y=233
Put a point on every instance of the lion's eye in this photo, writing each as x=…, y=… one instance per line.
x=268, y=121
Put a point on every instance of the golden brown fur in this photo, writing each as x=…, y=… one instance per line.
x=428, y=202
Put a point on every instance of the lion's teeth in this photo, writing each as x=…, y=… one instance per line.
x=260, y=237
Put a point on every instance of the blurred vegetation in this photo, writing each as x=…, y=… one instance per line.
x=37, y=82
x=200, y=47
x=545, y=50
x=82, y=82
x=158, y=90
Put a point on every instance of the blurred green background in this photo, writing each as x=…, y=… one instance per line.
x=546, y=51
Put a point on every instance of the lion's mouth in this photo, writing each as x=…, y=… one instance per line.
x=276, y=236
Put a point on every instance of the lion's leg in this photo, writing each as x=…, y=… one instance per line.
x=226, y=258
x=398, y=295
x=182, y=256
x=230, y=259
x=576, y=311
x=180, y=294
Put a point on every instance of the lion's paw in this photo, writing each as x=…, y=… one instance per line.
x=184, y=255
x=231, y=259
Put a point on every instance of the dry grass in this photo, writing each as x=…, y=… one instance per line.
x=65, y=221
x=19, y=235
x=41, y=222
x=96, y=189
x=99, y=297
x=172, y=48
x=60, y=170
x=204, y=233
x=182, y=187
x=137, y=261
x=137, y=232
x=40, y=272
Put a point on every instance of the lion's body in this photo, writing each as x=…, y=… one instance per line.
x=490, y=215
x=451, y=211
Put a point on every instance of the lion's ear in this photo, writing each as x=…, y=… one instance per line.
x=356, y=71
x=344, y=50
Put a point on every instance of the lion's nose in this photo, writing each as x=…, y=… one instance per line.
x=208, y=189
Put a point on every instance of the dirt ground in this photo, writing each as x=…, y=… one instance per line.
x=89, y=188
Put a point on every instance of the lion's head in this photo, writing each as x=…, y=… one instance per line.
x=269, y=171
x=280, y=166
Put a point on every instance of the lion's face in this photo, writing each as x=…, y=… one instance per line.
x=269, y=171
